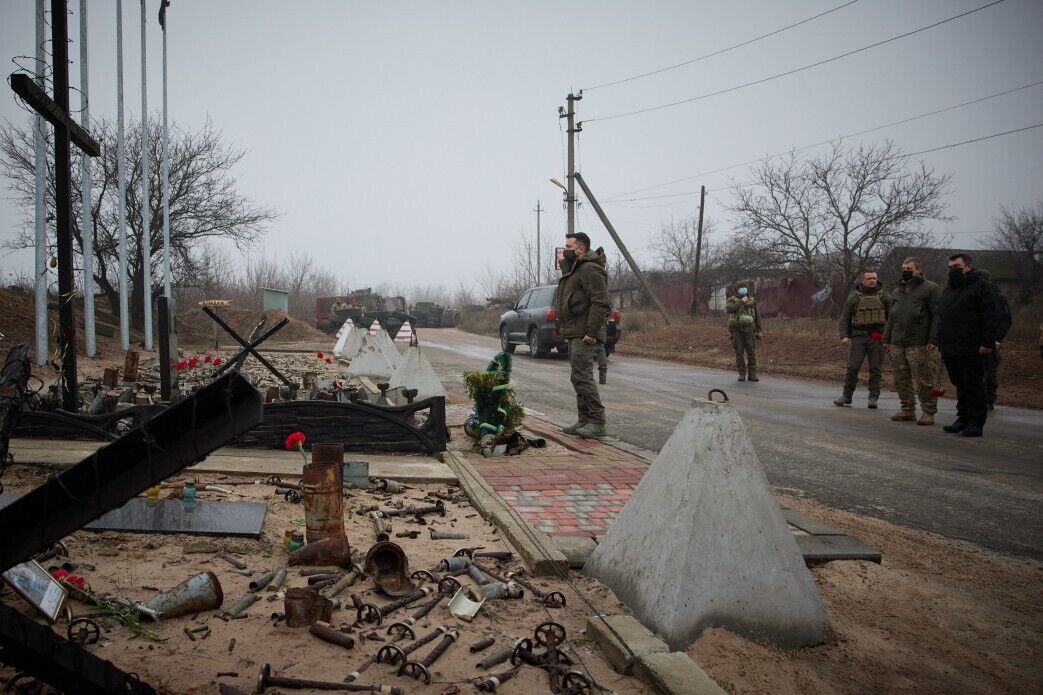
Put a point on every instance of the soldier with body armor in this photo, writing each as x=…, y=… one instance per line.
x=862, y=330
x=744, y=325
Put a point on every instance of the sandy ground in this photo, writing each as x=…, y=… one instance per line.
x=127, y=563
x=936, y=616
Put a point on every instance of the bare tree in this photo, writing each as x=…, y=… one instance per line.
x=205, y=204
x=842, y=212
x=1022, y=231
x=674, y=244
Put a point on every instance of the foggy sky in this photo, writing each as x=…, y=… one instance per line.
x=409, y=141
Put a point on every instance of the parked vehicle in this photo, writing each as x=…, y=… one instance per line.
x=363, y=307
x=533, y=321
x=431, y=315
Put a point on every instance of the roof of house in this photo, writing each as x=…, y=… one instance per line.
x=1002, y=265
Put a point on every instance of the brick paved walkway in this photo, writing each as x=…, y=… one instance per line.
x=571, y=493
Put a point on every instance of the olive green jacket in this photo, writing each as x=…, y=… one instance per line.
x=913, y=319
x=735, y=308
x=582, y=303
x=847, y=328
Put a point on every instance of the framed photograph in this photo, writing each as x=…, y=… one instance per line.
x=42, y=591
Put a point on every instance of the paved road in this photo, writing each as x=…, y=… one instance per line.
x=988, y=491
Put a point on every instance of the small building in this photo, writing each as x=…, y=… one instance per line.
x=275, y=299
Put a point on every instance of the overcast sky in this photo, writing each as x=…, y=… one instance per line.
x=409, y=141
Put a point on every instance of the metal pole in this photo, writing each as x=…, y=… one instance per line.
x=698, y=252
x=121, y=177
x=146, y=209
x=539, y=268
x=40, y=154
x=63, y=209
x=167, y=278
x=570, y=199
x=86, y=210
x=623, y=249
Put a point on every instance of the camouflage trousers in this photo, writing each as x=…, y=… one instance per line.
x=863, y=348
x=588, y=400
x=916, y=375
x=745, y=345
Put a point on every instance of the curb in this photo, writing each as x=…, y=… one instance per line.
x=535, y=547
x=571, y=442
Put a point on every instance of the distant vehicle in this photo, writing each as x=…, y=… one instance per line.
x=533, y=321
x=363, y=307
x=431, y=315
x=332, y=312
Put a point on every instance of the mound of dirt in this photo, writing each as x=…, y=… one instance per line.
x=196, y=328
x=18, y=321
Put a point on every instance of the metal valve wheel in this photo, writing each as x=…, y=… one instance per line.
x=293, y=496
x=550, y=634
x=576, y=683
x=554, y=599
x=83, y=631
x=368, y=613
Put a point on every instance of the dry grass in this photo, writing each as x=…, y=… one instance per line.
x=485, y=322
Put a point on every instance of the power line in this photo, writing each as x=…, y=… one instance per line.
x=817, y=144
x=721, y=51
x=794, y=70
x=968, y=142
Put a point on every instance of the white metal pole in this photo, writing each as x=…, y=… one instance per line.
x=146, y=210
x=121, y=183
x=86, y=210
x=167, y=277
x=40, y=155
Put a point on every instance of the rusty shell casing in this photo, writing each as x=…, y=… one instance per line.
x=304, y=607
x=323, y=495
x=332, y=551
x=201, y=592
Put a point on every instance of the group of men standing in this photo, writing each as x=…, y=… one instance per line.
x=965, y=322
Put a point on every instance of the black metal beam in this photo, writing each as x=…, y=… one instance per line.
x=250, y=347
x=44, y=105
x=35, y=649
x=148, y=454
x=14, y=381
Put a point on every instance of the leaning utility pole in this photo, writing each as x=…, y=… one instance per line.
x=167, y=277
x=86, y=209
x=570, y=198
x=40, y=155
x=146, y=202
x=698, y=252
x=121, y=186
x=623, y=249
x=539, y=268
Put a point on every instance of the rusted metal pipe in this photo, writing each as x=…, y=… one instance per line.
x=277, y=581
x=381, y=528
x=482, y=644
x=241, y=605
x=327, y=634
x=414, y=596
x=347, y=580
x=266, y=680
x=419, y=669
x=490, y=684
x=239, y=565
x=401, y=631
x=448, y=535
x=261, y=581
x=446, y=586
x=393, y=654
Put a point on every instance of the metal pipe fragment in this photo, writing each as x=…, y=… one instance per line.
x=490, y=684
x=483, y=644
x=238, y=564
x=498, y=657
x=277, y=581
x=448, y=535
x=261, y=581
x=328, y=634
x=266, y=680
x=344, y=582
x=241, y=605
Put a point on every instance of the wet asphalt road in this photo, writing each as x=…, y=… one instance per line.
x=987, y=491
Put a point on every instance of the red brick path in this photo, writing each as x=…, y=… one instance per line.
x=572, y=493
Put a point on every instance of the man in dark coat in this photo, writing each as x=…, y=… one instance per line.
x=583, y=307
x=992, y=360
x=967, y=334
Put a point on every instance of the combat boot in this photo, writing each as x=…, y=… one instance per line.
x=925, y=419
x=742, y=377
x=957, y=426
x=842, y=401
x=904, y=416
x=972, y=430
x=873, y=401
x=753, y=376
x=573, y=428
x=602, y=376
x=591, y=431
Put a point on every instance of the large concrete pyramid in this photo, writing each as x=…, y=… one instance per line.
x=342, y=337
x=354, y=343
x=415, y=372
x=702, y=543
x=371, y=362
x=383, y=342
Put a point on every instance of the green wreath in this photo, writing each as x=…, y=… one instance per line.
x=496, y=408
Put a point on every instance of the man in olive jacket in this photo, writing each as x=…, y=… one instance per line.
x=911, y=336
x=744, y=326
x=583, y=307
x=862, y=325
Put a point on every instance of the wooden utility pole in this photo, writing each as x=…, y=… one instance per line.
x=570, y=198
x=622, y=248
x=698, y=252
x=539, y=268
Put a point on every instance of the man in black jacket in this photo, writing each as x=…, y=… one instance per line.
x=992, y=360
x=968, y=332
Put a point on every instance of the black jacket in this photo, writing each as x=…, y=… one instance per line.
x=969, y=316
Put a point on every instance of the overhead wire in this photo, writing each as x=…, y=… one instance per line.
x=910, y=119
x=794, y=71
x=721, y=51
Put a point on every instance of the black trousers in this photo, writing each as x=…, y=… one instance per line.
x=967, y=373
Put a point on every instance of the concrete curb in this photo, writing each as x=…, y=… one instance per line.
x=538, y=551
x=570, y=442
x=648, y=658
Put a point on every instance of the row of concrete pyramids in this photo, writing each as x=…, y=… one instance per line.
x=373, y=354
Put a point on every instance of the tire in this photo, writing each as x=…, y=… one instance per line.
x=505, y=342
x=536, y=348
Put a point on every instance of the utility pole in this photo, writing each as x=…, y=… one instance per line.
x=539, y=268
x=86, y=209
x=167, y=277
x=570, y=194
x=698, y=252
x=146, y=209
x=40, y=154
x=121, y=185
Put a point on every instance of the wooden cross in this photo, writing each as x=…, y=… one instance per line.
x=56, y=111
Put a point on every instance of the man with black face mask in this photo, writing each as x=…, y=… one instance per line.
x=969, y=318
x=911, y=336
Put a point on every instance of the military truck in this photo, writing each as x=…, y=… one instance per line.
x=431, y=315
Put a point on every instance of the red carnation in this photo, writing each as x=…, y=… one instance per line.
x=193, y=363
x=60, y=574
x=320, y=355
x=295, y=441
x=329, y=360
x=876, y=335
x=217, y=361
x=208, y=359
x=181, y=365
x=937, y=393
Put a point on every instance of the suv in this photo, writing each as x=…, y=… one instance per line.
x=533, y=321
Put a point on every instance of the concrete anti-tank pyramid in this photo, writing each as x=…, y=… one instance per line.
x=353, y=344
x=415, y=372
x=702, y=543
x=342, y=337
x=382, y=342
x=371, y=362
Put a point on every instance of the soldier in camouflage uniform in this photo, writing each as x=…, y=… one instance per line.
x=911, y=336
x=862, y=324
x=744, y=325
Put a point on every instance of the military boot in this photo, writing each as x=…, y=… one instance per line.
x=904, y=416
x=873, y=401
x=742, y=376
x=843, y=400
x=573, y=428
x=602, y=376
x=753, y=376
x=591, y=431
x=925, y=419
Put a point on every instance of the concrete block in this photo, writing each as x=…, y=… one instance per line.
x=577, y=549
x=637, y=637
x=676, y=674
